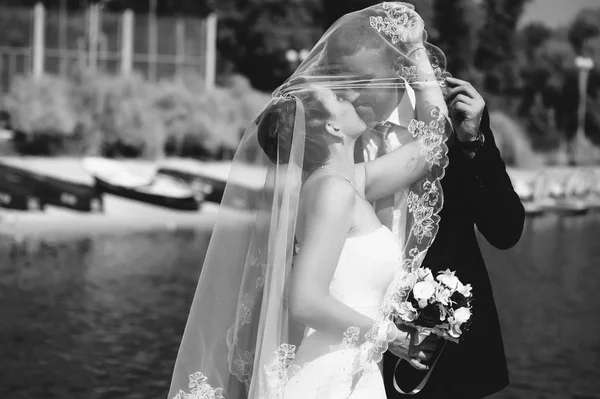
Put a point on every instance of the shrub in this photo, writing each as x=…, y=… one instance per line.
x=197, y=122
x=249, y=101
x=41, y=105
x=41, y=108
x=129, y=116
x=117, y=116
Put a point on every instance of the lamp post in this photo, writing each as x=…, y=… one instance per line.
x=584, y=65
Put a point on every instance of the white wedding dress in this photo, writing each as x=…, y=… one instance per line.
x=365, y=269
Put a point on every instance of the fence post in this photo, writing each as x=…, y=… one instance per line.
x=152, y=41
x=211, y=51
x=179, y=44
x=127, y=43
x=63, y=61
x=93, y=38
x=39, y=16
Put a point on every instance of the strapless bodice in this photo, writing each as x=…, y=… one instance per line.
x=365, y=269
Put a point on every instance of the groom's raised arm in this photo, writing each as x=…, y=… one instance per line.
x=497, y=209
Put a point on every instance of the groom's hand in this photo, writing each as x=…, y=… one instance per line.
x=405, y=347
x=466, y=108
x=372, y=143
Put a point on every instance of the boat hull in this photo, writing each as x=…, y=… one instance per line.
x=185, y=203
x=51, y=190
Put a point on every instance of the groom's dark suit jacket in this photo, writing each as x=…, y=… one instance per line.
x=477, y=192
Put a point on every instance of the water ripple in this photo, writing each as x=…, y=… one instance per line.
x=102, y=318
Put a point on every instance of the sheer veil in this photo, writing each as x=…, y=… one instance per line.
x=240, y=340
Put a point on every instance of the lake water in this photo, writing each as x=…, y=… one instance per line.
x=102, y=317
x=547, y=289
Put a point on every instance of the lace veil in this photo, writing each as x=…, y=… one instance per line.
x=240, y=340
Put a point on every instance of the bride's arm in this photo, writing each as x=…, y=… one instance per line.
x=428, y=94
x=395, y=170
x=392, y=172
x=327, y=209
x=405, y=165
x=423, y=80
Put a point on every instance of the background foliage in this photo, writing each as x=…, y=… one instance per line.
x=121, y=116
x=527, y=72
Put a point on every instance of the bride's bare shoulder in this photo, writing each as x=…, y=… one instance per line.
x=325, y=192
x=326, y=206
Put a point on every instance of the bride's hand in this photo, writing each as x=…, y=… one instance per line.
x=416, y=30
x=405, y=347
x=411, y=24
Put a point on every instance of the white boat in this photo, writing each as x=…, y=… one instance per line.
x=113, y=177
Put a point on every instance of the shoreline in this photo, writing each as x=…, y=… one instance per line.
x=123, y=216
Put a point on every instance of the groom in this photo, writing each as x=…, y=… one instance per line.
x=477, y=193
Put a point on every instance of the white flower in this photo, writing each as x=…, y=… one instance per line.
x=464, y=289
x=443, y=295
x=422, y=303
x=454, y=330
x=406, y=311
x=448, y=278
x=461, y=315
x=424, y=290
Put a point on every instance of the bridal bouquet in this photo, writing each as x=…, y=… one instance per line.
x=440, y=305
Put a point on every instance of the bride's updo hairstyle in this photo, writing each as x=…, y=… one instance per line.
x=276, y=129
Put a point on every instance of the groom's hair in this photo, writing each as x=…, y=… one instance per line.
x=353, y=34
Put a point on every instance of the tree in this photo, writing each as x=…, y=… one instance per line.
x=532, y=36
x=456, y=33
x=550, y=92
x=334, y=9
x=496, y=51
x=585, y=25
x=538, y=57
x=548, y=100
x=254, y=36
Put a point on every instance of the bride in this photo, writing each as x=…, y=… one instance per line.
x=294, y=296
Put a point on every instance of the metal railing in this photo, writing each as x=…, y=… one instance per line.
x=111, y=43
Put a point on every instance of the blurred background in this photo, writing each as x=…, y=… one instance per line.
x=118, y=121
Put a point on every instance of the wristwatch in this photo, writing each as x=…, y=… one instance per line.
x=474, y=145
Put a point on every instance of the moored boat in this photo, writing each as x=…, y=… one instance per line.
x=13, y=196
x=51, y=190
x=212, y=179
x=209, y=188
x=113, y=178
